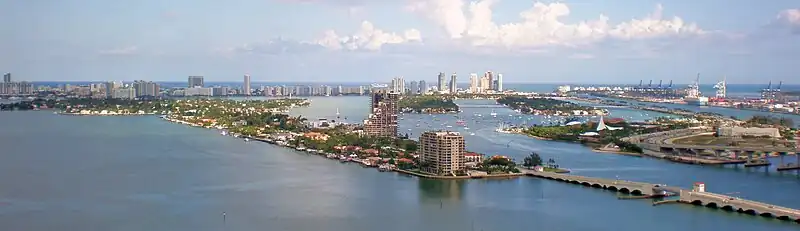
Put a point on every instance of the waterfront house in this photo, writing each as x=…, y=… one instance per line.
x=371, y=152
x=473, y=157
x=316, y=136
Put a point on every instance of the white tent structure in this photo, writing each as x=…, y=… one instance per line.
x=602, y=126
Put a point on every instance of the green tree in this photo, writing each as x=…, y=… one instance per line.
x=532, y=160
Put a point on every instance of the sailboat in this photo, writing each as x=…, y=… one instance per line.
x=493, y=114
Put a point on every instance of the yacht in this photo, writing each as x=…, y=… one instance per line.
x=246, y=139
x=224, y=133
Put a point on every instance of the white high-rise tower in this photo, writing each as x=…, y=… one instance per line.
x=246, y=87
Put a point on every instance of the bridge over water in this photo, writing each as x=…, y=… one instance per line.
x=707, y=199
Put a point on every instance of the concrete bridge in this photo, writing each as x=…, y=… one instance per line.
x=623, y=186
x=729, y=203
x=707, y=199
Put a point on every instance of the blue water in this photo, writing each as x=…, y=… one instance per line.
x=142, y=173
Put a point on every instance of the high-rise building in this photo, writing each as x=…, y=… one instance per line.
x=219, y=91
x=423, y=87
x=490, y=76
x=499, y=85
x=453, y=84
x=124, y=93
x=484, y=83
x=443, y=153
x=195, y=81
x=382, y=120
x=246, y=87
x=398, y=85
x=145, y=88
x=442, y=84
x=473, y=83
x=414, y=88
x=8, y=87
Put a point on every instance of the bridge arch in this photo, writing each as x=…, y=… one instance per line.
x=697, y=202
x=586, y=184
x=575, y=182
x=611, y=187
x=636, y=192
x=728, y=208
x=596, y=185
x=712, y=205
x=766, y=215
x=624, y=190
x=750, y=211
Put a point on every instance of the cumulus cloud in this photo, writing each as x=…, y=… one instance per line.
x=789, y=18
x=120, y=51
x=541, y=25
x=367, y=38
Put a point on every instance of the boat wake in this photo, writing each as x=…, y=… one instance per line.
x=622, y=169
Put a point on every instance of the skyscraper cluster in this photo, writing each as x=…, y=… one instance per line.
x=8, y=87
x=488, y=82
x=398, y=85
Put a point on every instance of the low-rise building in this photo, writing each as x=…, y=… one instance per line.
x=743, y=131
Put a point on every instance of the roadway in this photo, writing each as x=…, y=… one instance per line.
x=686, y=196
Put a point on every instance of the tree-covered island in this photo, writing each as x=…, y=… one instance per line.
x=587, y=134
x=548, y=106
x=431, y=104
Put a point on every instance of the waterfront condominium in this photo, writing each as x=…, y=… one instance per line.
x=246, y=87
x=442, y=152
x=382, y=120
x=442, y=85
x=453, y=84
x=195, y=81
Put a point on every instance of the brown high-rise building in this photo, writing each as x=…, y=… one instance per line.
x=382, y=119
x=442, y=152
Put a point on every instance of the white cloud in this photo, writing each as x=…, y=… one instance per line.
x=121, y=51
x=790, y=16
x=541, y=25
x=367, y=38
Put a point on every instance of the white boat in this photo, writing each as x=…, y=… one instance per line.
x=224, y=133
x=466, y=128
x=472, y=134
x=246, y=139
x=494, y=114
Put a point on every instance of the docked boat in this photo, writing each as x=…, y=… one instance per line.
x=246, y=139
x=224, y=133
x=384, y=168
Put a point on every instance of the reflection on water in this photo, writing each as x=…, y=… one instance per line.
x=432, y=189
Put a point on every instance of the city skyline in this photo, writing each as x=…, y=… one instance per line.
x=357, y=41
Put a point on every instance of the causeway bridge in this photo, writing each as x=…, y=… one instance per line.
x=729, y=203
x=694, y=197
x=623, y=186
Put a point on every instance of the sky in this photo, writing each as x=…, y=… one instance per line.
x=569, y=41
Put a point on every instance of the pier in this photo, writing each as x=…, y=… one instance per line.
x=695, y=197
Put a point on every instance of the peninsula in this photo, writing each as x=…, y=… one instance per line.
x=548, y=106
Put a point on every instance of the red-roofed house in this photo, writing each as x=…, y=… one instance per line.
x=473, y=157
